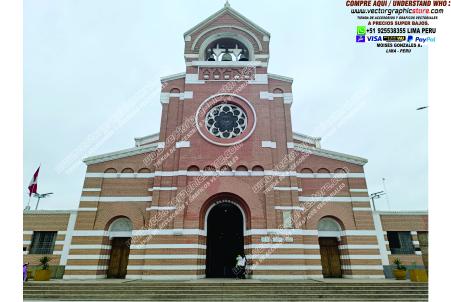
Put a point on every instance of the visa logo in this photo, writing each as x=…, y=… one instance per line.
x=374, y=38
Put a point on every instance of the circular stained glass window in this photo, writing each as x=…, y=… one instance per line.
x=226, y=121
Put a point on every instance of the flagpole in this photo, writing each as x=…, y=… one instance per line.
x=37, y=204
x=28, y=205
x=38, y=195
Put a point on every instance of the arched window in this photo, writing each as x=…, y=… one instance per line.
x=225, y=168
x=121, y=227
x=323, y=170
x=226, y=49
x=110, y=170
x=277, y=90
x=329, y=227
x=328, y=224
x=175, y=90
x=127, y=170
x=306, y=170
x=144, y=170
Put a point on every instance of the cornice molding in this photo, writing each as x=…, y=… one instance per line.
x=48, y=212
x=119, y=154
x=151, y=138
x=171, y=77
x=307, y=139
x=280, y=77
x=405, y=213
x=331, y=154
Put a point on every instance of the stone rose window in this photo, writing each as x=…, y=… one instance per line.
x=226, y=121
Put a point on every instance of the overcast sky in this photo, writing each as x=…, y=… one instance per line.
x=85, y=61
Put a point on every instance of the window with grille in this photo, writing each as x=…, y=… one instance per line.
x=400, y=242
x=43, y=243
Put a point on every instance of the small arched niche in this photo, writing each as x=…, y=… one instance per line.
x=120, y=227
x=242, y=168
x=225, y=168
x=340, y=170
x=209, y=168
x=193, y=168
x=258, y=168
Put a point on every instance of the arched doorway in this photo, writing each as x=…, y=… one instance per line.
x=120, y=232
x=329, y=232
x=225, y=225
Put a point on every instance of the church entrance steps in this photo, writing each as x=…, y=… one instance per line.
x=221, y=290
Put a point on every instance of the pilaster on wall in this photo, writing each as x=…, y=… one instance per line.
x=270, y=212
x=380, y=238
x=182, y=182
x=68, y=237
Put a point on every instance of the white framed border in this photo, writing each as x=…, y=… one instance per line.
x=226, y=144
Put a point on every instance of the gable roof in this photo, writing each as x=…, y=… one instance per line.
x=227, y=9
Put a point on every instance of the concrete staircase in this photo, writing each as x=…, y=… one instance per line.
x=246, y=290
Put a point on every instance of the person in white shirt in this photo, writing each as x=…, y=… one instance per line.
x=241, y=266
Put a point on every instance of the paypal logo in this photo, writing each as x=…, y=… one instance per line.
x=424, y=40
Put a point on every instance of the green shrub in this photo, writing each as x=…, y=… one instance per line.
x=45, y=262
x=399, y=264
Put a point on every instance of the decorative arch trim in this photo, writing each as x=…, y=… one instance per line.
x=243, y=40
x=225, y=201
x=221, y=198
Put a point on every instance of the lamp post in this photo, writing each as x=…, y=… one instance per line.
x=39, y=196
x=376, y=196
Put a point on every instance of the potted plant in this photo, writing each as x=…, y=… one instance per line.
x=417, y=274
x=400, y=271
x=44, y=273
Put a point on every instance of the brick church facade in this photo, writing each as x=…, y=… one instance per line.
x=225, y=175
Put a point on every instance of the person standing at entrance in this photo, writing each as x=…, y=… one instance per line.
x=241, y=265
x=25, y=271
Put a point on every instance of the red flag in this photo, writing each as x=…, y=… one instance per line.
x=33, y=186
